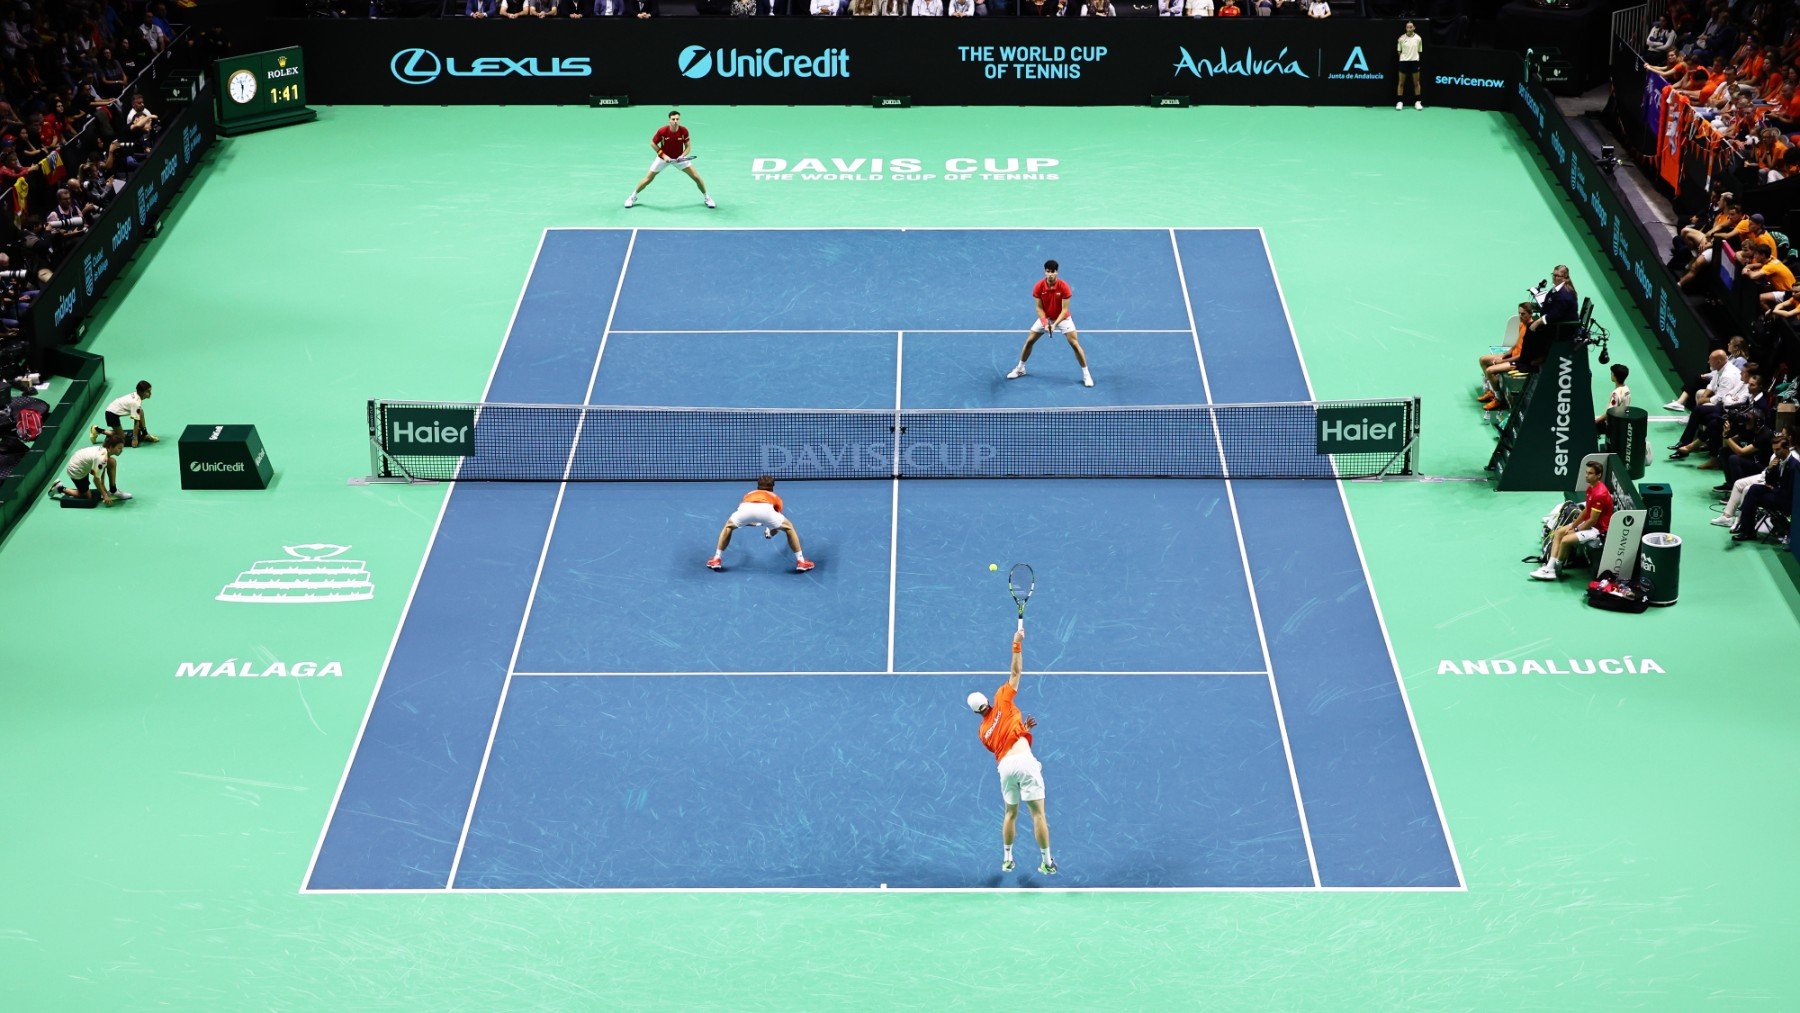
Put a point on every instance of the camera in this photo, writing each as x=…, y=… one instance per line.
x=14, y=274
x=1608, y=160
x=28, y=380
x=70, y=223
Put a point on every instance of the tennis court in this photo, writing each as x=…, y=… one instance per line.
x=573, y=702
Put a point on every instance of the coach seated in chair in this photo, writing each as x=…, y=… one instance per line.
x=1726, y=387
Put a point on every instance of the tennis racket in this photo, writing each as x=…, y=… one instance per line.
x=1021, y=581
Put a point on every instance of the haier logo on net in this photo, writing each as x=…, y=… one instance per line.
x=422, y=66
x=698, y=62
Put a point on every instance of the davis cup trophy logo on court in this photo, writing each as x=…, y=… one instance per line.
x=312, y=573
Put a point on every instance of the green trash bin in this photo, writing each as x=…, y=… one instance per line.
x=1657, y=497
x=1627, y=432
x=1659, y=563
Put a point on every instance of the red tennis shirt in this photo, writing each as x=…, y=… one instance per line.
x=1051, y=296
x=671, y=141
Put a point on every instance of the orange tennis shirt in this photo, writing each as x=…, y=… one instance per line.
x=763, y=496
x=1003, y=726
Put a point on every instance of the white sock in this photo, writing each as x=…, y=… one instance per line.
x=1008, y=852
x=799, y=557
x=1047, y=855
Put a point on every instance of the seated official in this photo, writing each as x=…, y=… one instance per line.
x=1775, y=495
x=1494, y=367
x=1779, y=443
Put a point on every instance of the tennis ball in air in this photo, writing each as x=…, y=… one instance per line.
x=993, y=566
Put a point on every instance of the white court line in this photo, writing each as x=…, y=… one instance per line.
x=1369, y=582
x=1007, y=891
x=921, y=228
x=912, y=330
x=405, y=610
x=531, y=599
x=827, y=672
x=1262, y=637
x=894, y=525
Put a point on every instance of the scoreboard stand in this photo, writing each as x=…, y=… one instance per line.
x=262, y=90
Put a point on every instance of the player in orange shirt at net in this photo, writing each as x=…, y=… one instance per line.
x=1007, y=734
x=761, y=508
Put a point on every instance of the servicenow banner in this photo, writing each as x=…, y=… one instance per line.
x=1638, y=260
x=846, y=61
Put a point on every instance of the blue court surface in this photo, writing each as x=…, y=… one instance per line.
x=574, y=702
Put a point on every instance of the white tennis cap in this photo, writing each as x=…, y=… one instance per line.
x=977, y=702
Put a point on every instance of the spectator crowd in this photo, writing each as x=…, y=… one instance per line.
x=576, y=9
x=1742, y=73
x=72, y=127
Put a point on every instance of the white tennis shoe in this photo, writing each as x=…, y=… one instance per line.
x=1017, y=371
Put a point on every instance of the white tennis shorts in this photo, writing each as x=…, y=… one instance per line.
x=1067, y=326
x=1021, y=775
x=752, y=515
x=1590, y=537
x=659, y=163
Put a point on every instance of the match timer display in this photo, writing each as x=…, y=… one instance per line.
x=261, y=90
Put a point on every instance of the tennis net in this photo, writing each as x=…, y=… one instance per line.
x=440, y=441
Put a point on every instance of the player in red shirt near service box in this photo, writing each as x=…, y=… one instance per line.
x=1052, y=296
x=672, y=146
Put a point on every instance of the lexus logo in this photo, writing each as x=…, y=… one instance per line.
x=416, y=66
x=695, y=61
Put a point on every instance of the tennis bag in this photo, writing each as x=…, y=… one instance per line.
x=1565, y=513
x=1614, y=595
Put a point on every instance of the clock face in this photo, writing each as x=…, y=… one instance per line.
x=241, y=86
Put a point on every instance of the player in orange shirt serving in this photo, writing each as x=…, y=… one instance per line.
x=1007, y=734
x=1052, y=296
x=761, y=508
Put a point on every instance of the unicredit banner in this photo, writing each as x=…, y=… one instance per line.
x=846, y=61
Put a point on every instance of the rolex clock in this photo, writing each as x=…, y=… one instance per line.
x=261, y=90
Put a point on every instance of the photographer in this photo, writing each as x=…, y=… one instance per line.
x=65, y=219
x=1744, y=440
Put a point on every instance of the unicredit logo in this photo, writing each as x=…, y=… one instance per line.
x=215, y=466
x=422, y=66
x=697, y=62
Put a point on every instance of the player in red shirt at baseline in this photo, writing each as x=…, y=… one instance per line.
x=761, y=508
x=1589, y=529
x=1007, y=734
x=673, y=147
x=1052, y=296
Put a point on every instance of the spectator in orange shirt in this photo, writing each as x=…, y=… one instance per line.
x=1772, y=273
x=761, y=508
x=1007, y=734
